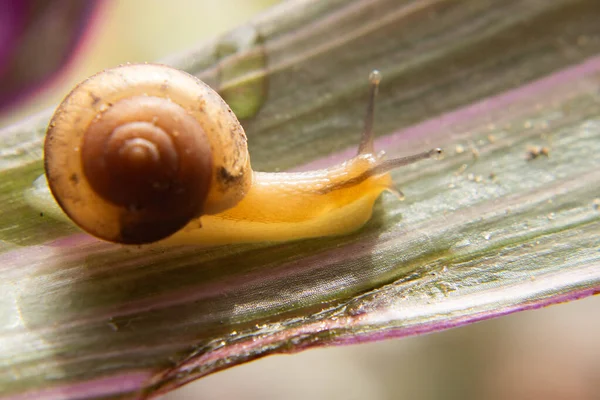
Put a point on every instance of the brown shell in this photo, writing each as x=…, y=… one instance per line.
x=133, y=153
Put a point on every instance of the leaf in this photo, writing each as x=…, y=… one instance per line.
x=495, y=227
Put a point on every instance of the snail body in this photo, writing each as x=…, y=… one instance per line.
x=145, y=153
x=288, y=206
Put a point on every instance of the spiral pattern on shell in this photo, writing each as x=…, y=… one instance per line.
x=134, y=153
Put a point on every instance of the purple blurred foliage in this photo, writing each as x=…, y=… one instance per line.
x=38, y=39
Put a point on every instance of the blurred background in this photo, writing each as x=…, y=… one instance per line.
x=552, y=353
x=109, y=33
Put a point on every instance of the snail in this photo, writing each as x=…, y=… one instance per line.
x=147, y=153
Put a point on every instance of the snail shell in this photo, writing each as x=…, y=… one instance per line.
x=134, y=152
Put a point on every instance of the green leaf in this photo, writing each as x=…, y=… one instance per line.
x=494, y=227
